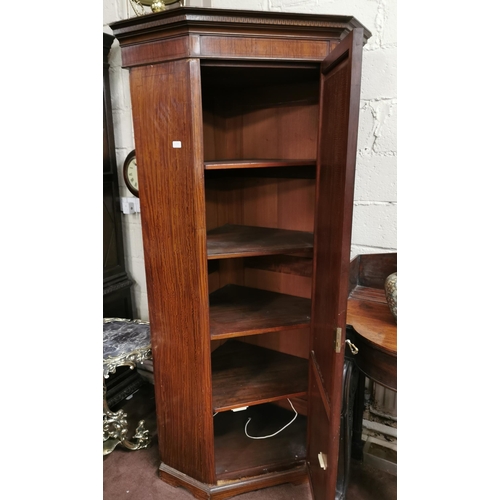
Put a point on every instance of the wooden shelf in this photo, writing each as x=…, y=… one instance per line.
x=285, y=450
x=230, y=164
x=247, y=375
x=231, y=241
x=236, y=311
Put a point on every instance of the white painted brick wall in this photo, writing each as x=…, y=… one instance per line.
x=375, y=208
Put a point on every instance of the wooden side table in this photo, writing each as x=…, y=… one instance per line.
x=373, y=330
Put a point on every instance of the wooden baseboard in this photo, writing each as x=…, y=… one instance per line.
x=228, y=489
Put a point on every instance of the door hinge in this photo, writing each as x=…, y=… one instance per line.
x=338, y=340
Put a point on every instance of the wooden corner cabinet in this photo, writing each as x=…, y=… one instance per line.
x=245, y=134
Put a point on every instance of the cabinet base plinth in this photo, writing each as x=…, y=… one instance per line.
x=228, y=489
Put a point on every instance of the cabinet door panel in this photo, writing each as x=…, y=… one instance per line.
x=339, y=112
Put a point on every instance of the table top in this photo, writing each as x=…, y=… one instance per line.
x=367, y=309
x=375, y=322
x=375, y=335
x=125, y=342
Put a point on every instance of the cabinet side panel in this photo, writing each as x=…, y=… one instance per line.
x=166, y=103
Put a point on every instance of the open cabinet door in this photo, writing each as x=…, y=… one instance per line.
x=339, y=113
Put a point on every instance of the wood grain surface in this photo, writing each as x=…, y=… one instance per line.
x=374, y=321
x=245, y=375
x=232, y=240
x=237, y=311
x=256, y=97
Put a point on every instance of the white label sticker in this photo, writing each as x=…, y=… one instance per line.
x=176, y=144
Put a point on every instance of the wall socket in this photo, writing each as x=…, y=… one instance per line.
x=130, y=205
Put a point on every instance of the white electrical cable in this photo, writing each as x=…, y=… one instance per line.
x=271, y=435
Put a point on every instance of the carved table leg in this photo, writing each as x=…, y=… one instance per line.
x=115, y=429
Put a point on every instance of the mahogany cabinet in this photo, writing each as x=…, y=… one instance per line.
x=245, y=134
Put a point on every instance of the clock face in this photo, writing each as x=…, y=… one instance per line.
x=130, y=173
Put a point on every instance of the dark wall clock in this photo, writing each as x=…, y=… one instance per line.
x=130, y=173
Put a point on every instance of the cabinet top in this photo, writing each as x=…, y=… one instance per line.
x=197, y=20
x=220, y=34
